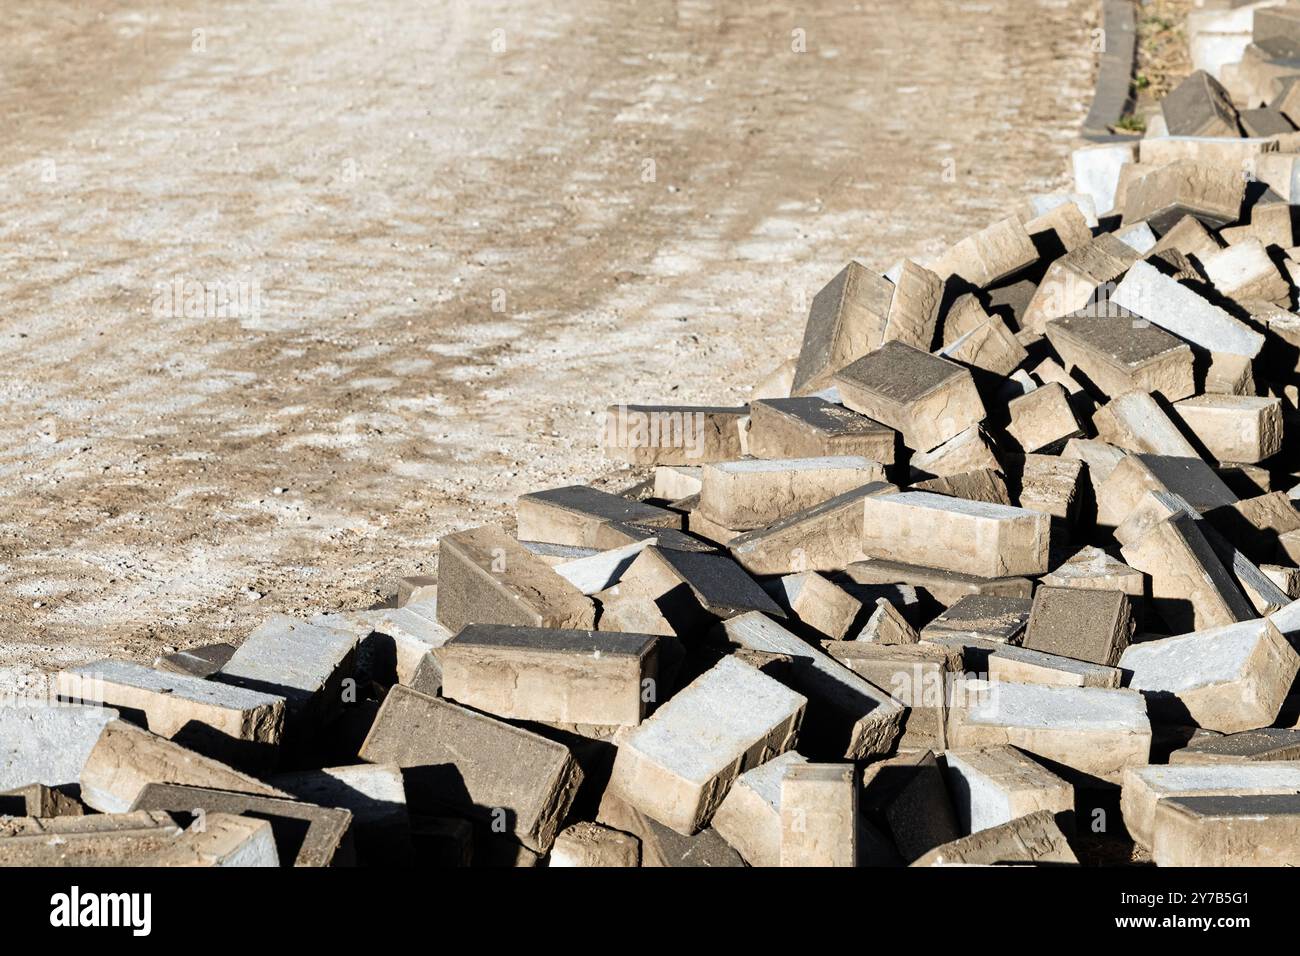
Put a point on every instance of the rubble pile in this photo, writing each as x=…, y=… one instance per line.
x=1001, y=568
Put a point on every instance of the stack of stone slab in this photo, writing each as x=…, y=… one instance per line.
x=1001, y=568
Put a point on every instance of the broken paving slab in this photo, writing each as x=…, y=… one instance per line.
x=925, y=398
x=47, y=742
x=1034, y=839
x=971, y=537
x=846, y=716
x=1227, y=830
x=1228, y=679
x=574, y=515
x=472, y=763
x=487, y=577
x=996, y=785
x=967, y=451
x=886, y=625
x=127, y=758
x=305, y=834
x=667, y=435
x=1096, y=731
x=235, y=724
x=677, y=766
x=38, y=800
x=811, y=427
x=1144, y=787
x=754, y=493
x=988, y=256
x=552, y=675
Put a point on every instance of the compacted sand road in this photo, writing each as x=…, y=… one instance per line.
x=290, y=288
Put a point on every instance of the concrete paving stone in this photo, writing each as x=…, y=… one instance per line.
x=810, y=427
x=753, y=493
x=38, y=800
x=1190, y=237
x=1179, y=309
x=1047, y=484
x=396, y=643
x=1200, y=106
x=915, y=675
x=818, y=604
x=988, y=256
x=1190, y=587
x=224, y=840
x=1267, y=743
x=1043, y=420
x=602, y=570
x=1094, y=730
x=1227, y=830
x=819, y=815
x=750, y=817
x=989, y=347
x=847, y=320
x=927, y=399
x=1277, y=28
x=1264, y=121
x=1096, y=171
x=677, y=766
x=1123, y=353
x=1135, y=421
x=1072, y=281
x=487, y=577
x=847, y=717
x=696, y=586
x=1143, y=787
x=1064, y=226
x=235, y=724
x=1099, y=457
x=101, y=840
x=47, y=742
x=886, y=625
x=914, y=310
x=126, y=758
x=971, y=537
x=672, y=434
x=1189, y=478
x=1034, y=839
x=1244, y=272
x=1229, y=375
x=906, y=795
x=1228, y=678
x=551, y=675
x=946, y=587
x=458, y=759
x=1238, y=428
x=305, y=834
x=672, y=482
x=1085, y=624
x=968, y=450
x=662, y=846
x=573, y=514
x=994, y=786
x=986, y=617
x=1092, y=568
x=1020, y=665
x=1162, y=196
x=986, y=484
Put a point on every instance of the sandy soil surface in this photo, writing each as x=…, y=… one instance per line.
x=450, y=233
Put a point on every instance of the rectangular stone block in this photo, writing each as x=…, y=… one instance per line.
x=475, y=764
x=752, y=493
x=305, y=834
x=915, y=675
x=662, y=846
x=1043, y=420
x=119, y=839
x=672, y=434
x=812, y=427
x=1096, y=171
x=847, y=320
x=575, y=514
x=487, y=577
x=971, y=537
x=126, y=758
x=1072, y=281
x=886, y=625
x=678, y=765
x=1200, y=106
x=1257, y=830
x=1240, y=428
x=750, y=816
x=674, y=482
x=1085, y=624
x=1047, y=484
x=986, y=484
x=48, y=743
x=967, y=451
x=304, y=663
x=847, y=717
x=1190, y=587
x=1244, y=273
x=1165, y=194
x=1034, y=839
x=374, y=794
x=981, y=617
x=907, y=796
x=1190, y=478
x=989, y=347
x=1093, y=569
x=551, y=676
x=1020, y=665
x=1268, y=743
x=914, y=310
x=223, y=840
x=1000, y=784
x=946, y=587
x=1145, y=787
x=1094, y=730
x=817, y=604
x=1227, y=679
x=1177, y=308
x=819, y=815
x=926, y=398
x=1136, y=422
x=990, y=255
x=231, y=723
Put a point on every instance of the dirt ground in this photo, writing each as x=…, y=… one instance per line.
x=456, y=232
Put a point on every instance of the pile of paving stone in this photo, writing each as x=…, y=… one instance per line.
x=1000, y=569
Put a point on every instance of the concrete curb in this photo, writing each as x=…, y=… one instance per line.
x=1114, y=73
